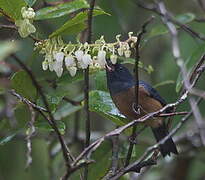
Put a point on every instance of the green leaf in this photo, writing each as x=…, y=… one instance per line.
x=157, y=30
x=7, y=47
x=100, y=81
x=185, y=18
x=76, y=24
x=196, y=55
x=12, y=7
x=54, y=97
x=6, y=139
x=23, y=85
x=43, y=125
x=101, y=103
x=68, y=109
x=61, y=9
x=161, y=29
x=102, y=161
x=164, y=83
x=30, y=2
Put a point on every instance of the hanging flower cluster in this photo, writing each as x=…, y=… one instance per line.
x=25, y=26
x=80, y=56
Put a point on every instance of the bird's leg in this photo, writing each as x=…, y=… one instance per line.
x=136, y=108
x=133, y=138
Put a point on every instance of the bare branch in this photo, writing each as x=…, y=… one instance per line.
x=186, y=28
x=51, y=121
x=29, y=103
x=86, y=81
x=136, y=106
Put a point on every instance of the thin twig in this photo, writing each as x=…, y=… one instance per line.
x=186, y=28
x=152, y=148
x=73, y=102
x=86, y=81
x=51, y=121
x=27, y=101
x=114, y=164
x=136, y=105
x=179, y=61
x=92, y=147
x=30, y=131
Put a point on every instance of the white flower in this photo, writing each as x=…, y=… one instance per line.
x=49, y=58
x=45, y=65
x=72, y=71
x=134, y=39
x=59, y=56
x=69, y=61
x=79, y=55
x=86, y=60
x=59, y=72
x=102, y=57
x=50, y=65
x=120, y=51
x=57, y=65
x=113, y=58
x=127, y=53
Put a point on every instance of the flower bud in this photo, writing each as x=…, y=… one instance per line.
x=59, y=72
x=113, y=58
x=69, y=61
x=59, y=56
x=120, y=51
x=79, y=55
x=72, y=71
x=102, y=57
x=86, y=59
x=50, y=65
x=45, y=65
x=127, y=53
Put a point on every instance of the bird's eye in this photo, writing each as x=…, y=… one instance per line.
x=120, y=68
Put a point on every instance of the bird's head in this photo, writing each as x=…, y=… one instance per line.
x=118, y=78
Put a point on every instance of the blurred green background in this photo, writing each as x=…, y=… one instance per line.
x=125, y=17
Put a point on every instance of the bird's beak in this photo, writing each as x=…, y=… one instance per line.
x=109, y=68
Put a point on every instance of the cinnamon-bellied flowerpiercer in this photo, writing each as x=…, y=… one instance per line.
x=121, y=85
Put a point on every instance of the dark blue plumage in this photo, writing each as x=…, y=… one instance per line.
x=153, y=92
x=121, y=85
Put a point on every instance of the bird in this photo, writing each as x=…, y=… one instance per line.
x=121, y=85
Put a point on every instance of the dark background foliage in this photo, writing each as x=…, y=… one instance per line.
x=156, y=51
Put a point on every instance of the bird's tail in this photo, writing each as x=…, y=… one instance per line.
x=168, y=146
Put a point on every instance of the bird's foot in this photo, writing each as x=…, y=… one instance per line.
x=132, y=139
x=136, y=108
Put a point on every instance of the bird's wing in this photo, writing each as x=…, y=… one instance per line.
x=153, y=92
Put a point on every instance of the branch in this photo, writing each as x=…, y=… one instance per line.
x=152, y=148
x=136, y=106
x=179, y=61
x=186, y=28
x=115, y=151
x=92, y=147
x=86, y=81
x=26, y=101
x=30, y=132
x=51, y=121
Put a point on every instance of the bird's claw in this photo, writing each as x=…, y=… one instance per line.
x=136, y=108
